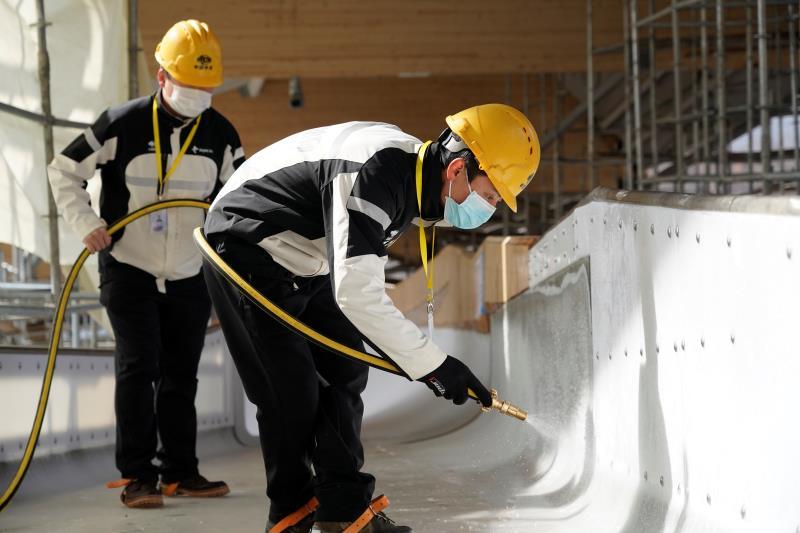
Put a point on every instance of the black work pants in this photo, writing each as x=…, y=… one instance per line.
x=308, y=399
x=159, y=338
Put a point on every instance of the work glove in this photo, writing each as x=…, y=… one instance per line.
x=452, y=379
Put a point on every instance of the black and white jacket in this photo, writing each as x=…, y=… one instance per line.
x=329, y=201
x=120, y=143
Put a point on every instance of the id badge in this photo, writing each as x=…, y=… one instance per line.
x=158, y=222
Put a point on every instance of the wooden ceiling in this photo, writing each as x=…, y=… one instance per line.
x=354, y=38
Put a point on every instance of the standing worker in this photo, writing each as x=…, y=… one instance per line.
x=171, y=144
x=307, y=221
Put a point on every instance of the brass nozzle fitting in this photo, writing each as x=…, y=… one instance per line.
x=505, y=408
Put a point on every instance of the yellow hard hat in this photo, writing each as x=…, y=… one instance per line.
x=190, y=52
x=505, y=144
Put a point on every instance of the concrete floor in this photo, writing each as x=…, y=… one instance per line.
x=428, y=499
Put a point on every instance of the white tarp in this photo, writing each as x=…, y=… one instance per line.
x=87, y=42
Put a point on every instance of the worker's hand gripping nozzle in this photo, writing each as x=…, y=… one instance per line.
x=505, y=408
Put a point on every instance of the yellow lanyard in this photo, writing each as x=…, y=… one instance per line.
x=423, y=241
x=162, y=179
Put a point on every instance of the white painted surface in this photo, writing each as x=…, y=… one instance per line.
x=80, y=413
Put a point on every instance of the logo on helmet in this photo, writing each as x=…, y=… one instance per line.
x=203, y=63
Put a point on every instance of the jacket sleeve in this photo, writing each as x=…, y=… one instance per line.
x=362, y=206
x=233, y=156
x=73, y=167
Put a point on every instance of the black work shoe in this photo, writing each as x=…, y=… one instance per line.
x=141, y=495
x=299, y=521
x=373, y=520
x=196, y=487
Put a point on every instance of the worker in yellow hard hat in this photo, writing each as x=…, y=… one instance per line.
x=307, y=222
x=170, y=144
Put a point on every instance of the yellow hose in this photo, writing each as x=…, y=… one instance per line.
x=55, y=339
x=219, y=264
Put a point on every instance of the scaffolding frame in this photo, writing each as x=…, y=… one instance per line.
x=679, y=140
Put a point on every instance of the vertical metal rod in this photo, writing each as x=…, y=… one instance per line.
x=526, y=111
x=637, y=103
x=676, y=74
x=766, y=166
x=653, y=89
x=75, y=329
x=722, y=115
x=52, y=209
x=505, y=211
x=704, y=93
x=628, y=176
x=793, y=86
x=779, y=96
x=695, y=111
x=749, y=91
x=133, y=49
x=589, y=99
x=543, y=113
x=92, y=333
x=557, y=146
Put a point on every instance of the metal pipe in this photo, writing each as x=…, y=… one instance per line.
x=676, y=75
x=789, y=176
x=668, y=10
x=779, y=94
x=44, y=86
x=793, y=85
x=749, y=90
x=722, y=144
x=704, y=90
x=41, y=119
x=695, y=110
x=589, y=99
x=543, y=113
x=637, y=104
x=628, y=174
x=133, y=49
x=556, y=148
x=766, y=146
x=653, y=88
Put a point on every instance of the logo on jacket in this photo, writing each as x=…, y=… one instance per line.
x=196, y=150
x=391, y=238
x=151, y=146
x=203, y=63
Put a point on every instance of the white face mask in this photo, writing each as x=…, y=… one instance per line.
x=188, y=102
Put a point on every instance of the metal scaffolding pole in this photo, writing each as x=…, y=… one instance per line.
x=133, y=49
x=653, y=88
x=766, y=146
x=749, y=91
x=779, y=95
x=722, y=124
x=628, y=175
x=676, y=75
x=589, y=98
x=695, y=111
x=637, y=104
x=44, y=85
x=704, y=90
x=556, y=147
x=543, y=113
x=793, y=86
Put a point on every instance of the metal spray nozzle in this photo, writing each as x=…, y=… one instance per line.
x=505, y=408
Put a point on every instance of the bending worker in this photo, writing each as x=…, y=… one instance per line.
x=170, y=144
x=307, y=221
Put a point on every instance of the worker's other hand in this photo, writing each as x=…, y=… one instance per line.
x=97, y=240
x=452, y=379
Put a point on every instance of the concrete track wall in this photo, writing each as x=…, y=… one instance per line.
x=694, y=398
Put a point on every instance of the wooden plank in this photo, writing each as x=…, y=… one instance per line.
x=353, y=38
